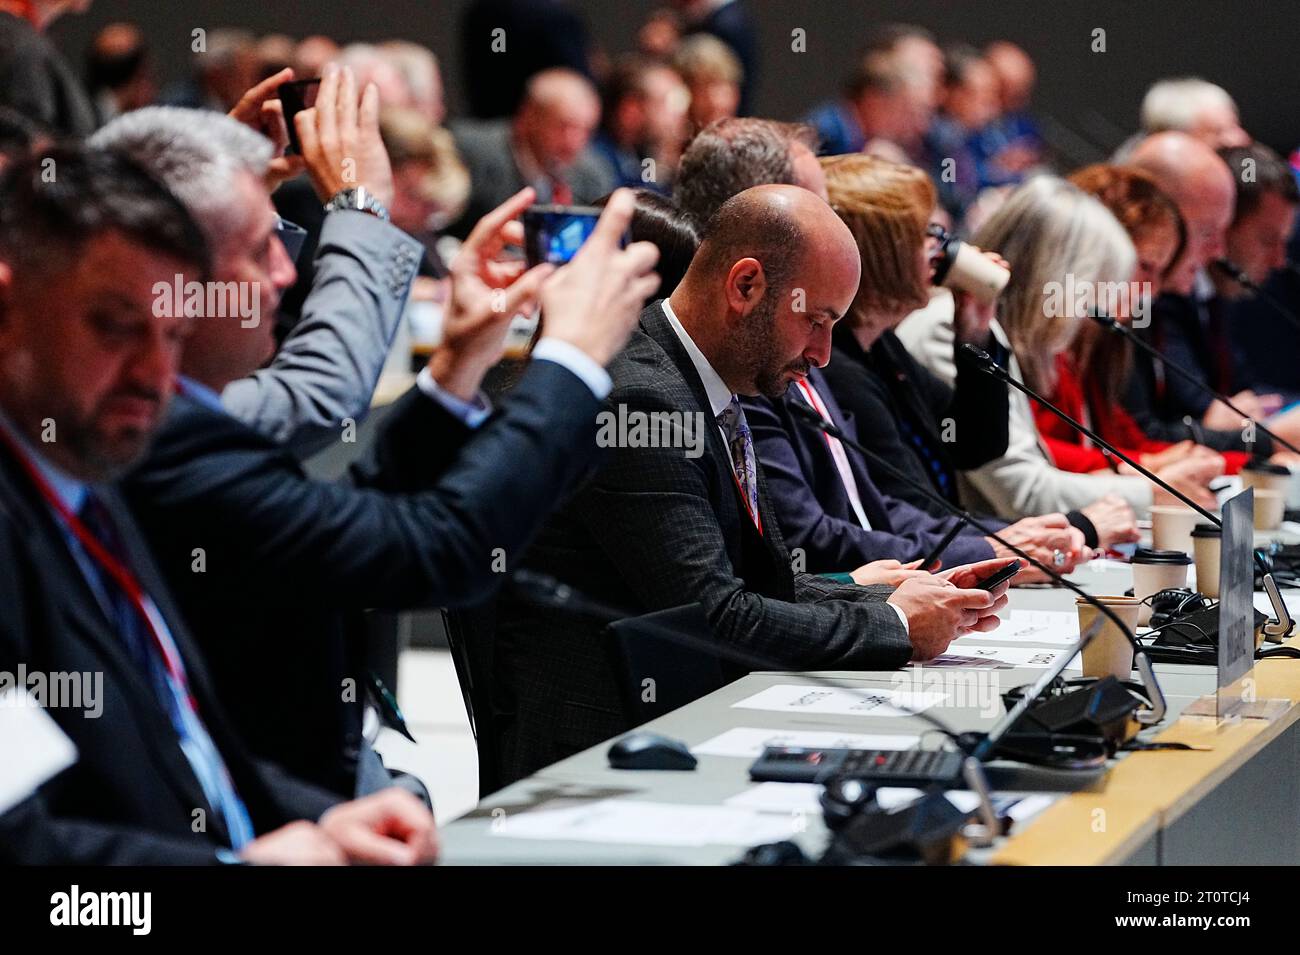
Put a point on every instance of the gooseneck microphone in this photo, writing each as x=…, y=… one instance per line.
x=1119, y=328
x=812, y=418
x=1237, y=274
x=989, y=366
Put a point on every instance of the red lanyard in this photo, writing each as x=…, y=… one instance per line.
x=744, y=499
x=107, y=562
x=815, y=400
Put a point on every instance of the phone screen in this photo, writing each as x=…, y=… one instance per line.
x=555, y=233
x=294, y=98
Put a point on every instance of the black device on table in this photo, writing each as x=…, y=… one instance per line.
x=295, y=97
x=910, y=767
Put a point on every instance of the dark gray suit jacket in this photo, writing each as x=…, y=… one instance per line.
x=495, y=176
x=654, y=529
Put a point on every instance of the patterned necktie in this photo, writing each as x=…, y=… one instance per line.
x=733, y=424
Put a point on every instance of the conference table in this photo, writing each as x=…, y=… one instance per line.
x=1235, y=799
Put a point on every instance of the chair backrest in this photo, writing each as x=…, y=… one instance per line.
x=656, y=673
x=470, y=636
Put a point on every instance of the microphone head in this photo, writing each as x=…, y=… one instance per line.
x=1104, y=320
x=983, y=360
x=1233, y=271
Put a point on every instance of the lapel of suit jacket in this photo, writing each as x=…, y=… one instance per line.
x=873, y=505
x=84, y=613
x=655, y=323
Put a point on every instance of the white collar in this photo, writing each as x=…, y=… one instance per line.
x=720, y=396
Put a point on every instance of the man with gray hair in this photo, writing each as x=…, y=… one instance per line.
x=1194, y=106
x=326, y=370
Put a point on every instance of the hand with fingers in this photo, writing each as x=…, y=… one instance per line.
x=340, y=139
x=938, y=612
x=390, y=827
x=486, y=293
x=260, y=109
x=593, y=302
x=888, y=572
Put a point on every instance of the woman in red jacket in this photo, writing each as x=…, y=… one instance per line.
x=1091, y=374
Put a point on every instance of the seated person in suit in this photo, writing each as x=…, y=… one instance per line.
x=689, y=518
x=326, y=370
x=546, y=145
x=1263, y=223
x=827, y=500
x=1189, y=323
x=87, y=367
x=1049, y=229
x=447, y=496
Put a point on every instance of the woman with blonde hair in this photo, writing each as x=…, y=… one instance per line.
x=1064, y=245
x=829, y=502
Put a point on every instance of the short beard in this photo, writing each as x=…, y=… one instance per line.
x=757, y=345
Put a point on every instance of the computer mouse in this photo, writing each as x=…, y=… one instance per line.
x=645, y=750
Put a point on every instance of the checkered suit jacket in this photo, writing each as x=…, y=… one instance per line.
x=655, y=528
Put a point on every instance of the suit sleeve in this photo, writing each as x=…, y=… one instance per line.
x=327, y=368
x=833, y=543
x=278, y=538
x=31, y=835
x=979, y=408
x=652, y=511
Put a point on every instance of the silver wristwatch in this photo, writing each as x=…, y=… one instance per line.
x=359, y=199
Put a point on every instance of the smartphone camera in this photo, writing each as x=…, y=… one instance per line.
x=295, y=97
x=555, y=233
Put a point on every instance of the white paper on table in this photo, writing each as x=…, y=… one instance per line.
x=840, y=701
x=963, y=653
x=1036, y=626
x=1290, y=598
x=779, y=797
x=32, y=747
x=648, y=823
x=748, y=742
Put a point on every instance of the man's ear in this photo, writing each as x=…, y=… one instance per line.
x=746, y=283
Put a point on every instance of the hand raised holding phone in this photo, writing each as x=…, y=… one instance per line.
x=594, y=301
x=340, y=140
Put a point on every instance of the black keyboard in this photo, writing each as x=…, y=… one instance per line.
x=894, y=767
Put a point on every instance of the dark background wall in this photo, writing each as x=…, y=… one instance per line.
x=1248, y=46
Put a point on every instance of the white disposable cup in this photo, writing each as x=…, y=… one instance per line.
x=1110, y=653
x=974, y=272
x=1270, y=508
x=1206, y=543
x=1151, y=578
x=1171, y=527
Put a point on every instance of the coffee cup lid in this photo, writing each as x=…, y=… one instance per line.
x=1265, y=467
x=1148, y=555
x=1207, y=530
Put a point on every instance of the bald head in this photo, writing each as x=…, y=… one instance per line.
x=776, y=268
x=1201, y=185
x=1015, y=72
x=557, y=117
